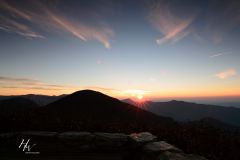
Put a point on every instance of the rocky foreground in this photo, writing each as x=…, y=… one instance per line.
x=86, y=145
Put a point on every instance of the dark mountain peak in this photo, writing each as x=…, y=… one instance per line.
x=31, y=95
x=86, y=97
x=85, y=110
x=85, y=100
x=87, y=92
x=91, y=107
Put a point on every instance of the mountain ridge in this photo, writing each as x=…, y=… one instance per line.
x=188, y=111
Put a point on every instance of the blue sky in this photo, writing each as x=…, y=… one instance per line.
x=123, y=48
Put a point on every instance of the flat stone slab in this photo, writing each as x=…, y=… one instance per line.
x=160, y=146
x=134, y=146
x=195, y=157
x=86, y=136
x=83, y=139
x=142, y=137
x=8, y=135
x=39, y=134
x=178, y=156
x=110, y=139
x=171, y=156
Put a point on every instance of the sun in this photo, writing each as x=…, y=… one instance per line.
x=140, y=97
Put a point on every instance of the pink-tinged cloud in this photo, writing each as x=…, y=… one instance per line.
x=226, y=73
x=14, y=11
x=50, y=20
x=12, y=26
x=82, y=31
x=168, y=23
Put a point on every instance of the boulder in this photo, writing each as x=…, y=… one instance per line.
x=142, y=138
x=160, y=146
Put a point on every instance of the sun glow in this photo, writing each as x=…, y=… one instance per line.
x=140, y=97
x=137, y=95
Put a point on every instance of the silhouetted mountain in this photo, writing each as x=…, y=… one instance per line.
x=91, y=109
x=95, y=112
x=41, y=100
x=86, y=110
x=185, y=111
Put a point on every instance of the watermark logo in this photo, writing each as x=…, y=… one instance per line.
x=27, y=147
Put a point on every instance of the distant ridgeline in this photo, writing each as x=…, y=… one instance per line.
x=95, y=112
x=86, y=145
x=187, y=111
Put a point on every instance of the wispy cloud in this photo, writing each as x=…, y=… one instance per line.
x=226, y=73
x=31, y=88
x=221, y=53
x=26, y=83
x=24, y=21
x=11, y=79
x=33, y=84
x=216, y=55
x=81, y=31
x=16, y=27
x=13, y=10
x=171, y=25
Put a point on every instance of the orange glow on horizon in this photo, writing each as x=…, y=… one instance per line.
x=137, y=95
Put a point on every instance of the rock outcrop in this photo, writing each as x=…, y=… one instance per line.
x=142, y=146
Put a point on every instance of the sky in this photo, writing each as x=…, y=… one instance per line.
x=149, y=49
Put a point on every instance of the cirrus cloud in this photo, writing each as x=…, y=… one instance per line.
x=28, y=22
x=165, y=20
x=27, y=83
